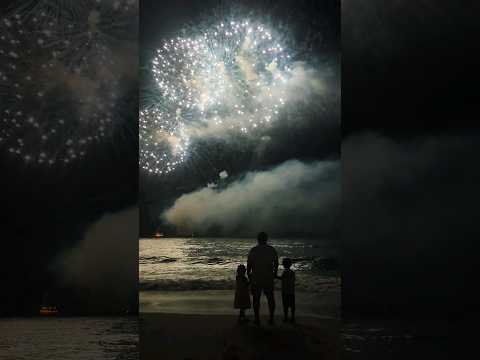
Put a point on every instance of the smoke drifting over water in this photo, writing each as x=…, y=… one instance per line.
x=409, y=209
x=292, y=198
x=104, y=267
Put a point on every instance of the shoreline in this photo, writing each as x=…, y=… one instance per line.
x=220, y=302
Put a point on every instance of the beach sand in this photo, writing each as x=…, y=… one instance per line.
x=195, y=337
x=220, y=302
x=203, y=325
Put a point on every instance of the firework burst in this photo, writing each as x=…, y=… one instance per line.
x=59, y=83
x=82, y=32
x=163, y=142
x=229, y=77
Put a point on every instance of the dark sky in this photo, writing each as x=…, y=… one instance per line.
x=46, y=210
x=409, y=154
x=313, y=30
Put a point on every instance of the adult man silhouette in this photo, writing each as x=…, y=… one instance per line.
x=262, y=269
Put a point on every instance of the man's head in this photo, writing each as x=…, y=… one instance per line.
x=262, y=237
x=287, y=262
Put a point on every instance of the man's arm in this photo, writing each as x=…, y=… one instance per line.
x=275, y=263
x=249, y=265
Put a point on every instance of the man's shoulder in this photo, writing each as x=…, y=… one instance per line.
x=262, y=248
x=272, y=249
x=253, y=249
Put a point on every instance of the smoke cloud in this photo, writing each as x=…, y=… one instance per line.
x=104, y=266
x=292, y=198
x=409, y=214
x=305, y=86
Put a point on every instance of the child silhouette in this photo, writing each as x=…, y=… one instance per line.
x=242, y=293
x=288, y=289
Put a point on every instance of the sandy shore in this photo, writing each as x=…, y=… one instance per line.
x=195, y=337
x=220, y=302
x=203, y=325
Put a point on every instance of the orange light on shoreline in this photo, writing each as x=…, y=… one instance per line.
x=48, y=310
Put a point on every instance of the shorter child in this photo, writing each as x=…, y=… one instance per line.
x=242, y=293
x=288, y=289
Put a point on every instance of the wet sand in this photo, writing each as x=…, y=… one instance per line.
x=220, y=302
x=203, y=325
x=195, y=337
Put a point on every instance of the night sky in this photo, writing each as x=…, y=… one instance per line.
x=46, y=211
x=312, y=31
x=409, y=142
x=409, y=154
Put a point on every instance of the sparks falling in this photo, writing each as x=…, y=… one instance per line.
x=59, y=79
x=163, y=143
x=232, y=76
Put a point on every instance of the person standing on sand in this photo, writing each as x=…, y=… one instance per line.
x=262, y=269
x=242, y=293
x=288, y=289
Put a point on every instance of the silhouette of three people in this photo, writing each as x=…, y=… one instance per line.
x=259, y=275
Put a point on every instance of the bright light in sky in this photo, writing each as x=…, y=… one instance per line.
x=230, y=76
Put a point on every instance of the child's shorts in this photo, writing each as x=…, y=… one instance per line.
x=288, y=300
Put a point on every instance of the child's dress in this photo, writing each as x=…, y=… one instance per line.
x=242, y=294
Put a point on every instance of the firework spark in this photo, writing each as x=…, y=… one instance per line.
x=163, y=143
x=232, y=76
x=58, y=80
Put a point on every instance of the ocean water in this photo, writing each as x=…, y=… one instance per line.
x=82, y=338
x=395, y=339
x=170, y=264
